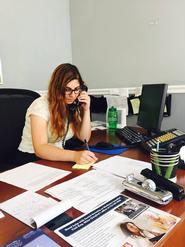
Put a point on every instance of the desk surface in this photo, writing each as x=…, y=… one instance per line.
x=11, y=228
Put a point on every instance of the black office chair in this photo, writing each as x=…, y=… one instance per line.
x=98, y=104
x=98, y=108
x=13, y=107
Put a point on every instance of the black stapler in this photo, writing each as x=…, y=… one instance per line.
x=175, y=189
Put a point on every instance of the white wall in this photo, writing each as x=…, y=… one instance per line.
x=119, y=43
x=35, y=37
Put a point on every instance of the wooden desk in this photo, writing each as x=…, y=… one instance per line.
x=11, y=228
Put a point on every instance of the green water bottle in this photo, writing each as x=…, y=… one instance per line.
x=112, y=118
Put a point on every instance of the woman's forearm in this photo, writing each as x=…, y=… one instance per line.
x=85, y=130
x=50, y=152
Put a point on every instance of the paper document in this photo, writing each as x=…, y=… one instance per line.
x=32, y=176
x=135, y=105
x=122, y=166
x=33, y=209
x=88, y=190
x=98, y=125
x=1, y=215
x=121, y=222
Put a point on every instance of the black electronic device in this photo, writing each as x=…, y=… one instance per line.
x=74, y=144
x=175, y=189
x=104, y=145
x=171, y=140
x=130, y=136
x=150, y=115
x=75, y=105
x=151, y=109
x=58, y=221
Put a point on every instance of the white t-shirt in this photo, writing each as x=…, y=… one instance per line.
x=39, y=107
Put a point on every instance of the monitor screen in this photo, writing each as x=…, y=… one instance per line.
x=151, y=107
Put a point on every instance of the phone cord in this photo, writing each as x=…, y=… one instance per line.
x=64, y=138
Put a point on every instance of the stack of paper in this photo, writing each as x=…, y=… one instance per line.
x=33, y=209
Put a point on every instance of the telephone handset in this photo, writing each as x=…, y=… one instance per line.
x=74, y=106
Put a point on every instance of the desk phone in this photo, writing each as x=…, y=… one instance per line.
x=170, y=139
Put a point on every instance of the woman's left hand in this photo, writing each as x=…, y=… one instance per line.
x=85, y=100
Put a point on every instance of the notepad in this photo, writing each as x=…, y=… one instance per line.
x=83, y=166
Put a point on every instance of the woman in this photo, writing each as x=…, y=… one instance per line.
x=149, y=237
x=57, y=117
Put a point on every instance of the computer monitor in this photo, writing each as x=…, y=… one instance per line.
x=151, y=109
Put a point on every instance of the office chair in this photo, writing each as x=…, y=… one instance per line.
x=98, y=104
x=13, y=107
x=98, y=108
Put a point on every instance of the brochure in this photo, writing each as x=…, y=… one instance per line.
x=121, y=222
x=33, y=238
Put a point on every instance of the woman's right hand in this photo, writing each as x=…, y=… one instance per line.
x=85, y=157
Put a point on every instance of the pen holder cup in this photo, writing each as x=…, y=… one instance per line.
x=164, y=163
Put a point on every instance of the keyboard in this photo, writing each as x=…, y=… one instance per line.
x=130, y=136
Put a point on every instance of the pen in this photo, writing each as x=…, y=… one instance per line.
x=87, y=146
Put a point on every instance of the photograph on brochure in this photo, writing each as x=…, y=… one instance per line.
x=147, y=229
x=131, y=208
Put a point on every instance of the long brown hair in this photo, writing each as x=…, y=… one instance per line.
x=62, y=75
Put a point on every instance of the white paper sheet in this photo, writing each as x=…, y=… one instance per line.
x=1, y=215
x=122, y=166
x=89, y=190
x=98, y=125
x=33, y=209
x=32, y=176
x=119, y=101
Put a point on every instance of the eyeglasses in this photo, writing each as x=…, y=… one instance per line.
x=69, y=90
